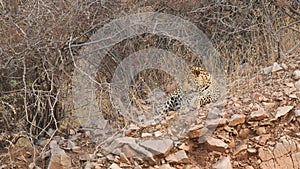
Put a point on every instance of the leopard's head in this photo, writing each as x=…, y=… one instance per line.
x=202, y=78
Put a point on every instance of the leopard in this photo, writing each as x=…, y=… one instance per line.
x=201, y=82
x=199, y=87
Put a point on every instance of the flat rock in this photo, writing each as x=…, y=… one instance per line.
x=276, y=67
x=119, y=142
x=216, y=122
x=260, y=114
x=286, y=146
x=284, y=162
x=269, y=105
x=59, y=159
x=267, y=70
x=265, y=154
x=158, y=147
x=129, y=147
x=284, y=155
x=281, y=150
x=216, y=144
x=291, y=144
x=224, y=163
x=296, y=160
x=197, y=131
x=178, y=157
x=278, y=163
x=281, y=111
x=114, y=166
x=237, y=119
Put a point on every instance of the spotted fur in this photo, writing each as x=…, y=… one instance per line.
x=203, y=83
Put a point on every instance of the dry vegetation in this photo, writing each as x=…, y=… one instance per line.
x=36, y=50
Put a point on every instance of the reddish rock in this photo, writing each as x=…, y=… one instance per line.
x=158, y=147
x=224, y=163
x=296, y=160
x=197, y=131
x=265, y=154
x=261, y=139
x=178, y=157
x=237, y=119
x=260, y=114
x=240, y=149
x=216, y=122
x=267, y=165
x=261, y=131
x=284, y=162
x=216, y=144
x=244, y=133
x=280, y=150
x=281, y=111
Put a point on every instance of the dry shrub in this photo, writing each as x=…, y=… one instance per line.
x=35, y=65
x=36, y=61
